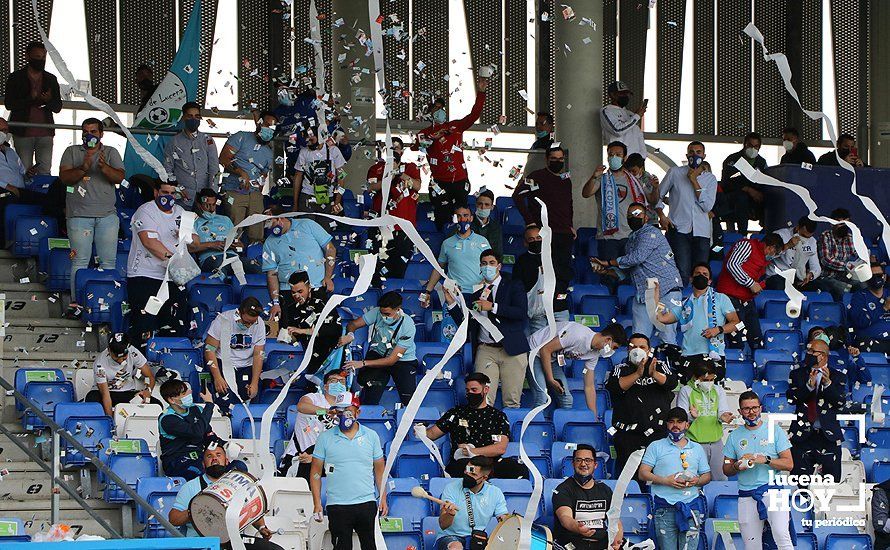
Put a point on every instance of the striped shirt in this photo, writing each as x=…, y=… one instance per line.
x=737, y=257
x=834, y=253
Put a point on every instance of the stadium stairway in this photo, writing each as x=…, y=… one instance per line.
x=37, y=336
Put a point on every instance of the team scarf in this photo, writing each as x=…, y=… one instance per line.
x=611, y=200
x=687, y=312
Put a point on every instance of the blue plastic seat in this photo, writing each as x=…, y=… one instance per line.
x=715, y=488
x=130, y=468
x=183, y=361
x=86, y=276
x=100, y=299
x=279, y=355
x=384, y=427
x=537, y=456
x=740, y=370
x=418, y=271
x=160, y=486
x=778, y=371
x=786, y=339
x=89, y=426
x=440, y=396
x=848, y=541
x=869, y=456
x=45, y=395
x=711, y=535
x=513, y=219
x=592, y=304
x=517, y=493
x=114, y=445
x=726, y=507
x=241, y=421
x=830, y=313
x=29, y=230
x=851, y=440
x=403, y=505
x=636, y=516
x=776, y=403
x=579, y=426
x=158, y=346
x=13, y=211
x=405, y=540
x=210, y=292
x=425, y=415
x=879, y=436
x=770, y=296
x=414, y=460
x=880, y=472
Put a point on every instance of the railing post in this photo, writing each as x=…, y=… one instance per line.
x=55, y=494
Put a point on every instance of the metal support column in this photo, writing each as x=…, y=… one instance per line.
x=55, y=492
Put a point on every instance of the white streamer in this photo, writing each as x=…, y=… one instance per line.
x=186, y=229
x=486, y=323
x=785, y=71
x=233, y=517
x=549, y=275
x=420, y=433
x=877, y=413
x=613, y=515
x=66, y=74
x=652, y=304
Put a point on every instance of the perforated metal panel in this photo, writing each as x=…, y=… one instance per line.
x=810, y=89
x=703, y=68
x=847, y=28
x=304, y=53
x=485, y=32
x=4, y=46
x=670, y=29
x=101, y=20
x=516, y=63
x=25, y=29
x=253, y=54
x=733, y=69
x=208, y=27
x=396, y=47
x=770, y=97
x=146, y=36
x=610, y=38
x=633, y=24
x=430, y=29
x=546, y=59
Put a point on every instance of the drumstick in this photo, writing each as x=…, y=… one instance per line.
x=419, y=492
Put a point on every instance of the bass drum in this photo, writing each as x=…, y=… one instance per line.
x=208, y=508
x=506, y=535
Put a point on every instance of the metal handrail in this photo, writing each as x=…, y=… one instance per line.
x=60, y=432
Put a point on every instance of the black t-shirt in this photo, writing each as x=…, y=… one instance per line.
x=476, y=427
x=587, y=505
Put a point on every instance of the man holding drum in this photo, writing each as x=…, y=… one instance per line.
x=470, y=503
x=216, y=465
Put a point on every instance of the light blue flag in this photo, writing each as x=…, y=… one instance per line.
x=164, y=108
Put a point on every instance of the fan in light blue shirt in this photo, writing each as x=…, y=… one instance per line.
x=486, y=500
x=746, y=440
x=302, y=245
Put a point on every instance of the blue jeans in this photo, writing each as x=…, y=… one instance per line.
x=82, y=232
x=539, y=390
x=667, y=535
x=537, y=323
x=643, y=325
x=443, y=542
x=688, y=251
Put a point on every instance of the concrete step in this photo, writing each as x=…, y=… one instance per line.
x=40, y=304
x=49, y=335
x=36, y=515
x=18, y=270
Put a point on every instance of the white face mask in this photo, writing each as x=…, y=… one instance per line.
x=607, y=351
x=4, y=138
x=706, y=385
x=637, y=356
x=788, y=145
x=751, y=152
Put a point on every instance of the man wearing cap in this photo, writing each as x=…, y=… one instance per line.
x=190, y=157
x=620, y=123
x=351, y=458
x=216, y=465
x=676, y=468
x=246, y=335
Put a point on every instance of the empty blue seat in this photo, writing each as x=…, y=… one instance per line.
x=241, y=421
x=85, y=276
x=100, y=297
x=406, y=540
x=384, y=427
x=513, y=219
x=880, y=472
x=29, y=230
x=740, y=370
x=89, y=426
x=424, y=415
x=158, y=346
x=827, y=313
x=45, y=396
x=279, y=355
x=183, y=361
x=403, y=505
x=209, y=291
x=114, y=445
x=770, y=296
x=778, y=371
x=776, y=403
x=848, y=541
x=160, y=486
x=726, y=506
x=130, y=468
x=869, y=456
x=879, y=436
x=517, y=493
x=13, y=211
x=58, y=270
x=414, y=460
x=440, y=396
x=418, y=271
x=592, y=304
x=579, y=426
x=715, y=488
x=636, y=516
x=786, y=339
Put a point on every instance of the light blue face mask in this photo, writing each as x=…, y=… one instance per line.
x=266, y=134
x=489, y=272
x=187, y=401
x=542, y=133
x=483, y=212
x=336, y=388
x=439, y=116
x=615, y=163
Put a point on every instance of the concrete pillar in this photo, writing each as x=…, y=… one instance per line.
x=879, y=86
x=361, y=96
x=579, y=89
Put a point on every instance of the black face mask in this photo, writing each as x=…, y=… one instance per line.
x=876, y=282
x=534, y=247
x=556, y=166
x=37, y=64
x=844, y=153
x=469, y=481
x=840, y=231
x=700, y=282
x=216, y=471
x=474, y=399
x=623, y=100
x=810, y=361
x=146, y=84
x=635, y=224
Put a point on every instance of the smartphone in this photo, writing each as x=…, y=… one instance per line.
x=854, y=151
x=645, y=103
x=203, y=385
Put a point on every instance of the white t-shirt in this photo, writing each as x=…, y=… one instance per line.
x=308, y=157
x=243, y=340
x=575, y=340
x=801, y=258
x=619, y=124
x=159, y=225
x=119, y=377
x=309, y=426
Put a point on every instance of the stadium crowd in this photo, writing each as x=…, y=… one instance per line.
x=659, y=378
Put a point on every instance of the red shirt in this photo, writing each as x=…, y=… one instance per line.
x=405, y=206
x=445, y=154
x=744, y=265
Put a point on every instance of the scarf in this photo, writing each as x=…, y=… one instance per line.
x=609, y=206
x=636, y=188
x=687, y=312
x=683, y=513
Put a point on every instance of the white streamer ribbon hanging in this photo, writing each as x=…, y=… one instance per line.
x=652, y=305
x=549, y=276
x=877, y=413
x=186, y=229
x=759, y=177
x=613, y=515
x=67, y=75
x=795, y=297
x=420, y=433
x=785, y=71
